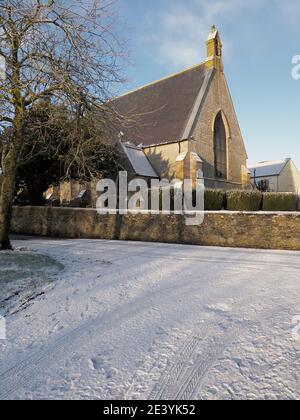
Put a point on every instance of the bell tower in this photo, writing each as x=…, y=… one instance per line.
x=214, y=50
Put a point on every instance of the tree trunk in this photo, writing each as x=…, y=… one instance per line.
x=6, y=200
x=9, y=168
x=11, y=156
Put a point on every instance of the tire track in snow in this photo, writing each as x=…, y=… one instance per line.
x=36, y=362
x=163, y=388
x=182, y=377
x=183, y=380
x=190, y=383
x=20, y=374
x=187, y=382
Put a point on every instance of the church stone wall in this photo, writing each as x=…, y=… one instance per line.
x=227, y=229
x=163, y=157
x=219, y=99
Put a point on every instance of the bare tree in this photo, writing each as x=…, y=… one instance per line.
x=59, y=49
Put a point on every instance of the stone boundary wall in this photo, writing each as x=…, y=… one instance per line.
x=225, y=229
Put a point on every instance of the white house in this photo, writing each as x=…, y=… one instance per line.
x=282, y=176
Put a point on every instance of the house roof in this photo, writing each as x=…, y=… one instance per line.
x=268, y=168
x=138, y=160
x=161, y=111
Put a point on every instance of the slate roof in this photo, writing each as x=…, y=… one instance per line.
x=138, y=160
x=160, y=112
x=265, y=169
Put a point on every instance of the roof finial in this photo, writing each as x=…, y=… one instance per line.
x=213, y=32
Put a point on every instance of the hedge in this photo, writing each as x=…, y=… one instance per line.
x=280, y=202
x=239, y=200
x=214, y=200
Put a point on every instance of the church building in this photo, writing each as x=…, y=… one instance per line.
x=181, y=127
x=186, y=125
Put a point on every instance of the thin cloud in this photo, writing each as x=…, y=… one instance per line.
x=182, y=29
x=291, y=11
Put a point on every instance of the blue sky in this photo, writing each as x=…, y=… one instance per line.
x=260, y=37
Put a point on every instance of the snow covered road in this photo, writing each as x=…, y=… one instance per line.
x=155, y=321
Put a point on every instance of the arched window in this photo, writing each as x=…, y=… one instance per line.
x=220, y=147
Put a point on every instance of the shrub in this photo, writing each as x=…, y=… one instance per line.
x=244, y=200
x=239, y=200
x=214, y=200
x=280, y=202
